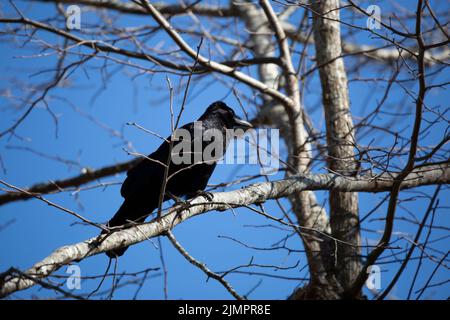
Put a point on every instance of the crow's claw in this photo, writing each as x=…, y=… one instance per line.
x=205, y=194
x=178, y=201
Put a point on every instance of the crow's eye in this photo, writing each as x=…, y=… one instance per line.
x=229, y=111
x=226, y=112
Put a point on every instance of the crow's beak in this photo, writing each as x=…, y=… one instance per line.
x=241, y=124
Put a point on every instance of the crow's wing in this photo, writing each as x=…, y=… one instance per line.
x=146, y=172
x=147, y=175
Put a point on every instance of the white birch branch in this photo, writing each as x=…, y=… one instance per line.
x=252, y=194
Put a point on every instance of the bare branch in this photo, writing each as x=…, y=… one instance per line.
x=202, y=266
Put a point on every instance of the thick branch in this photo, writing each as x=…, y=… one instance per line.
x=58, y=185
x=253, y=194
x=172, y=9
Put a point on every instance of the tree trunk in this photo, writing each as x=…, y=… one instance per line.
x=344, y=218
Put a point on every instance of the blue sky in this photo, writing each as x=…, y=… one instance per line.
x=38, y=229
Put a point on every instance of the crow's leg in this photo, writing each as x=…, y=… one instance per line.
x=178, y=200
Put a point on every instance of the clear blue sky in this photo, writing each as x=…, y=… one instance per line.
x=38, y=229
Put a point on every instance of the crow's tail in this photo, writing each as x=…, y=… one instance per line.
x=125, y=216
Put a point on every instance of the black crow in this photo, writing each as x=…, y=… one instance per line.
x=142, y=187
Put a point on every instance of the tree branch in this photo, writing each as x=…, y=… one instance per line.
x=210, y=64
x=202, y=266
x=382, y=55
x=253, y=194
x=396, y=187
x=58, y=185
